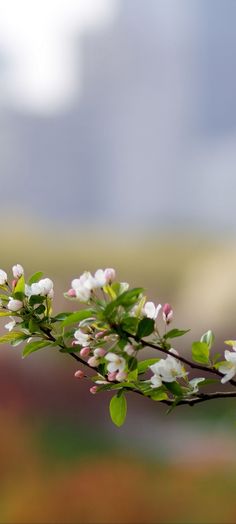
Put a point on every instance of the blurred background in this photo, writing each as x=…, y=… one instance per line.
x=118, y=133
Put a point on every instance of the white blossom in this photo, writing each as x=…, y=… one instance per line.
x=116, y=362
x=194, y=384
x=43, y=288
x=3, y=277
x=17, y=271
x=151, y=311
x=100, y=278
x=14, y=305
x=81, y=338
x=10, y=325
x=228, y=368
x=167, y=370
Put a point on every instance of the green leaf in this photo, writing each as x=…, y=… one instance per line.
x=174, y=333
x=159, y=394
x=35, y=277
x=200, y=352
x=209, y=338
x=145, y=327
x=40, y=309
x=19, y=295
x=174, y=388
x=130, y=324
x=13, y=335
x=118, y=409
x=36, y=299
x=77, y=317
x=133, y=375
x=60, y=317
x=126, y=299
x=132, y=364
x=20, y=286
x=145, y=364
x=34, y=346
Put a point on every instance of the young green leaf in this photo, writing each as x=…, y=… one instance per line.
x=34, y=346
x=130, y=324
x=174, y=388
x=12, y=336
x=209, y=338
x=159, y=394
x=20, y=285
x=145, y=364
x=77, y=317
x=145, y=327
x=200, y=352
x=35, y=277
x=174, y=333
x=118, y=409
x=126, y=299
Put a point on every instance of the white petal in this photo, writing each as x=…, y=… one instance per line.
x=229, y=375
x=112, y=357
x=112, y=367
x=150, y=310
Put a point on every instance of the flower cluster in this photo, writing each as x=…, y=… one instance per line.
x=108, y=335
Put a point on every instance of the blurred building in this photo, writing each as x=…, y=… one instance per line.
x=149, y=140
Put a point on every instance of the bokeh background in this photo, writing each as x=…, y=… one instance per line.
x=118, y=133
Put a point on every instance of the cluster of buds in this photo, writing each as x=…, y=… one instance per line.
x=43, y=288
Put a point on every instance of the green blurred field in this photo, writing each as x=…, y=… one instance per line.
x=103, y=485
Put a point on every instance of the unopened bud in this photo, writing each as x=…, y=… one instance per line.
x=71, y=293
x=17, y=271
x=93, y=362
x=79, y=374
x=14, y=305
x=14, y=282
x=3, y=277
x=110, y=275
x=129, y=349
x=167, y=313
x=99, y=352
x=102, y=334
x=84, y=352
x=93, y=390
x=111, y=376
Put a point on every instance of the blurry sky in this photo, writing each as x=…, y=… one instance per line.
x=119, y=112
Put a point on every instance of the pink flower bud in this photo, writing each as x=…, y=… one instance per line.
x=14, y=282
x=79, y=374
x=93, y=362
x=99, y=352
x=167, y=313
x=101, y=334
x=71, y=293
x=111, y=376
x=93, y=390
x=110, y=275
x=121, y=375
x=84, y=352
x=129, y=349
